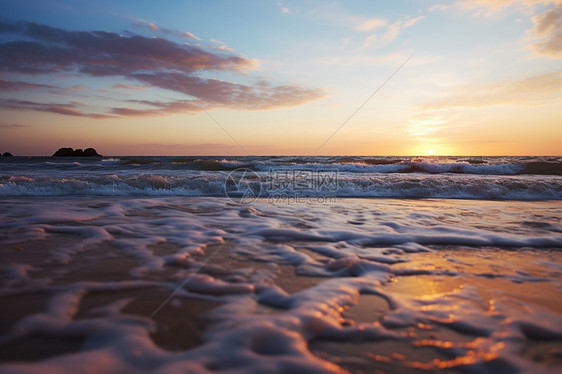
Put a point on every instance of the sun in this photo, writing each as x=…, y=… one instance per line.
x=431, y=152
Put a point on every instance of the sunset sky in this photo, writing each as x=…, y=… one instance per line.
x=272, y=78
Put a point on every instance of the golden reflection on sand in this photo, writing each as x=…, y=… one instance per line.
x=496, y=274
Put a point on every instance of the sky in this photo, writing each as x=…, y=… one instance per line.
x=308, y=77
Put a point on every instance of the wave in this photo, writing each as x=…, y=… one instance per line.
x=406, y=167
x=187, y=163
x=359, y=165
x=519, y=178
x=347, y=185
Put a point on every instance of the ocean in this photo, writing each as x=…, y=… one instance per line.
x=489, y=178
x=325, y=264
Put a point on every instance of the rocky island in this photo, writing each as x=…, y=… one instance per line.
x=69, y=152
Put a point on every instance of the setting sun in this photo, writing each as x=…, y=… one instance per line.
x=431, y=152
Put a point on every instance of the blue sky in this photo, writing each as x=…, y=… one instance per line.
x=281, y=77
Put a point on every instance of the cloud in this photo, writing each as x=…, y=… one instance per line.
x=283, y=8
x=101, y=53
x=371, y=24
x=392, y=32
x=20, y=86
x=422, y=127
x=156, y=108
x=223, y=47
x=380, y=30
x=42, y=50
x=189, y=35
x=137, y=22
x=547, y=32
x=126, y=86
x=15, y=86
x=388, y=32
x=249, y=98
x=493, y=7
x=214, y=96
x=57, y=108
x=409, y=22
x=533, y=90
x=13, y=126
x=224, y=93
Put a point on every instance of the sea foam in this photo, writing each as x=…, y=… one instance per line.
x=237, y=256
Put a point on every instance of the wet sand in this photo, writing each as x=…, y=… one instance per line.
x=427, y=346
x=428, y=310
x=180, y=322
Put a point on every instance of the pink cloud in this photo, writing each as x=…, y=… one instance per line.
x=57, y=108
x=36, y=49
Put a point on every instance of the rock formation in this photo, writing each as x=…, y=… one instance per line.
x=69, y=152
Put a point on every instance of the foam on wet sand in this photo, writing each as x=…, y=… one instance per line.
x=201, y=285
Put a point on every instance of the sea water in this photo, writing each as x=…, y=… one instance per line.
x=330, y=264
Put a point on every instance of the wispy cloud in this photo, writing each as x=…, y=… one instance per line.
x=68, y=109
x=535, y=90
x=386, y=32
x=269, y=98
x=547, y=33
x=145, y=108
x=371, y=24
x=21, y=86
x=371, y=30
x=421, y=127
x=221, y=46
x=137, y=22
x=41, y=50
x=13, y=126
x=126, y=86
x=489, y=8
x=411, y=21
x=283, y=8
